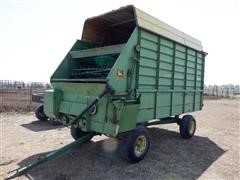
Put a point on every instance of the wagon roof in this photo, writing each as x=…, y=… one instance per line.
x=130, y=14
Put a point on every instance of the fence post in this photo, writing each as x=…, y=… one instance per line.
x=30, y=96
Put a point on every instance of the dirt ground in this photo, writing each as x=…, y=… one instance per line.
x=18, y=100
x=213, y=153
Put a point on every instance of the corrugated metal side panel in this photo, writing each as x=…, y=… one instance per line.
x=147, y=74
x=170, y=77
x=152, y=24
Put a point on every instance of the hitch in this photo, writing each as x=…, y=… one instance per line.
x=23, y=170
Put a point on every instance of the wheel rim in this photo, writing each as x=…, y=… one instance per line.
x=140, y=145
x=191, y=127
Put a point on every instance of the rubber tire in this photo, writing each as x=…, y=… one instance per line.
x=78, y=133
x=39, y=113
x=184, y=123
x=127, y=146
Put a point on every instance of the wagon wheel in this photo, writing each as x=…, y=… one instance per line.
x=39, y=113
x=187, y=126
x=135, y=145
x=78, y=133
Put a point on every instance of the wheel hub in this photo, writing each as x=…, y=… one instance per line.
x=140, y=145
x=191, y=127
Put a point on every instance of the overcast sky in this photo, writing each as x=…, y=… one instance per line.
x=35, y=35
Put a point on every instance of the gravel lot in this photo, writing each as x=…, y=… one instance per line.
x=213, y=153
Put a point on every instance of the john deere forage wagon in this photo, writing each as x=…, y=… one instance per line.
x=128, y=71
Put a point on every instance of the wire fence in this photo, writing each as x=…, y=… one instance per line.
x=16, y=96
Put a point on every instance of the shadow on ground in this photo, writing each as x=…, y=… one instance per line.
x=170, y=157
x=37, y=125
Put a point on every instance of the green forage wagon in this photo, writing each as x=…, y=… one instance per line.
x=128, y=71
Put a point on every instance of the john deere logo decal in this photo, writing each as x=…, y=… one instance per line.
x=120, y=73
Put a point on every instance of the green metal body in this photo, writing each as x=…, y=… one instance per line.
x=154, y=77
x=170, y=77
